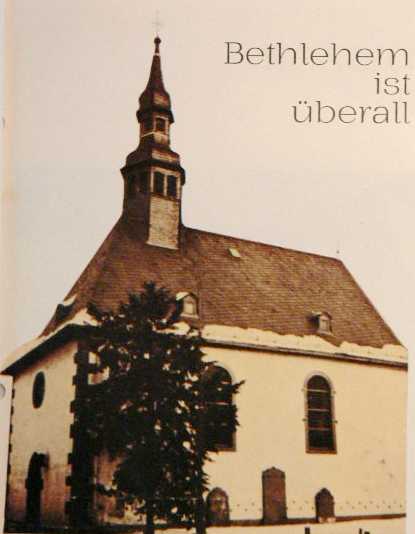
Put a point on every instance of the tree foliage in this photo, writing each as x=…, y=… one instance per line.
x=149, y=406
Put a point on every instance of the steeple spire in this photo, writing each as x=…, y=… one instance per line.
x=155, y=93
x=153, y=175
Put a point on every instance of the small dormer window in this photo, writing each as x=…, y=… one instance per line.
x=234, y=252
x=189, y=304
x=324, y=325
x=160, y=125
x=64, y=308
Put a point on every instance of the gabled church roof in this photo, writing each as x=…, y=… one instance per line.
x=267, y=287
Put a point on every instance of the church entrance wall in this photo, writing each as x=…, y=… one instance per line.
x=41, y=422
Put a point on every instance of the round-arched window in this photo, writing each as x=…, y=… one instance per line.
x=219, y=431
x=38, y=393
x=320, y=423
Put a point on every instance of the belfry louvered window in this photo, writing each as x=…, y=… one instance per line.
x=148, y=124
x=319, y=417
x=160, y=125
x=159, y=183
x=171, y=186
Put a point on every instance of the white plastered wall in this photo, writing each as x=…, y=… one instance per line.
x=366, y=476
x=44, y=430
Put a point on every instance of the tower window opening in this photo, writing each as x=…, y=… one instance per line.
x=144, y=182
x=160, y=125
x=172, y=186
x=148, y=124
x=159, y=183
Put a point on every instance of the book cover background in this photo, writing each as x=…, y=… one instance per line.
x=74, y=73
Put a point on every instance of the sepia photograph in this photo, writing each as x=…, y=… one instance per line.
x=207, y=267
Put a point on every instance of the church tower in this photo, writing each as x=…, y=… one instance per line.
x=153, y=176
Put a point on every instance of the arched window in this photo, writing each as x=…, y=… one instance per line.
x=217, y=395
x=319, y=417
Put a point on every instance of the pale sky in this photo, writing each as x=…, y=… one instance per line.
x=75, y=71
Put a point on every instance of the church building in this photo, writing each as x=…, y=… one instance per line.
x=322, y=411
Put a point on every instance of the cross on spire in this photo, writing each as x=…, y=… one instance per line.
x=157, y=23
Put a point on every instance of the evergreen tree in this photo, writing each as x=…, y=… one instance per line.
x=148, y=408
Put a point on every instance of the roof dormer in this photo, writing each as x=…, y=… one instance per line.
x=188, y=303
x=323, y=321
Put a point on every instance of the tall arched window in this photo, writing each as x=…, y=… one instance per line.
x=320, y=424
x=218, y=428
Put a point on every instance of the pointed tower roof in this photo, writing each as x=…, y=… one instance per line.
x=155, y=96
x=154, y=104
